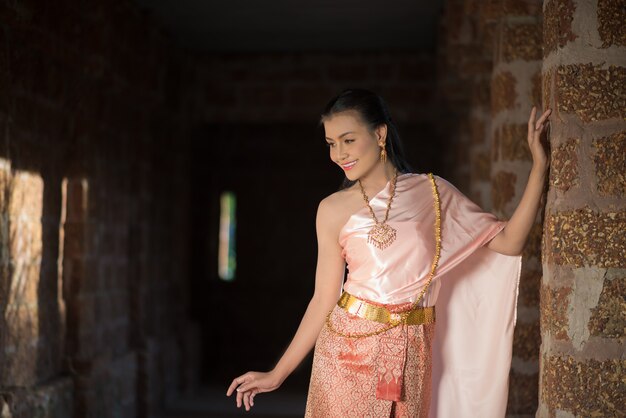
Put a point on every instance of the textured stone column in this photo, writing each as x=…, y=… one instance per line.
x=583, y=314
x=515, y=88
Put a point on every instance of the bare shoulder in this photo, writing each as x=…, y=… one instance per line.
x=335, y=209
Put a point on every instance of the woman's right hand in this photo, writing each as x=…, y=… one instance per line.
x=249, y=384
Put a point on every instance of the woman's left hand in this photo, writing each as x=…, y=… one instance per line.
x=535, y=130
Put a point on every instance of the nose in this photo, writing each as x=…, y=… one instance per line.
x=341, y=154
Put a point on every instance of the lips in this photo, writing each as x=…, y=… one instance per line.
x=349, y=165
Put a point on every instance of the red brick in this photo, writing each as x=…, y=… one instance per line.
x=503, y=189
x=557, y=24
x=503, y=92
x=611, y=18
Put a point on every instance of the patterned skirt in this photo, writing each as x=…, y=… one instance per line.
x=385, y=375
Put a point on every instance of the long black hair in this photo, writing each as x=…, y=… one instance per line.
x=374, y=111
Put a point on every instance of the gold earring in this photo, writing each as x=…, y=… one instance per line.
x=383, y=155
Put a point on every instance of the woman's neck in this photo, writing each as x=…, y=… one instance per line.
x=378, y=177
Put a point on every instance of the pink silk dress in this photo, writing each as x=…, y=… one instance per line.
x=461, y=369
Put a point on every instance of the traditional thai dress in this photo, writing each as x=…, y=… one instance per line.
x=457, y=366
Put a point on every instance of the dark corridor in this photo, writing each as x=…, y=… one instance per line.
x=123, y=122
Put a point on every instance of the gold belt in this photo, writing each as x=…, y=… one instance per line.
x=363, y=309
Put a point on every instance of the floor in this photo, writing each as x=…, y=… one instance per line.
x=212, y=402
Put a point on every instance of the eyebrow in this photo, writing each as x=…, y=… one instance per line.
x=343, y=134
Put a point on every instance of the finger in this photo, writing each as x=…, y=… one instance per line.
x=232, y=387
x=543, y=117
x=236, y=382
x=246, y=387
x=254, y=392
x=545, y=114
x=250, y=383
x=531, y=119
x=538, y=127
x=246, y=400
x=239, y=399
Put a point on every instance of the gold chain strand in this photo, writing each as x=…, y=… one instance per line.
x=381, y=234
x=367, y=201
x=404, y=315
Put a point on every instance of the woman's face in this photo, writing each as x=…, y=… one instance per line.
x=352, y=146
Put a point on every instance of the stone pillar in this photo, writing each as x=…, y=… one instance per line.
x=515, y=88
x=583, y=315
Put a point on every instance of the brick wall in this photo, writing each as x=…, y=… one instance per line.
x=515, y=88
x=93, y=252
x=295, y=87
x=276, y=88
x=464, y=67
x=489, y=61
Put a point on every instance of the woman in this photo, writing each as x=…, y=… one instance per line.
x=410, y=241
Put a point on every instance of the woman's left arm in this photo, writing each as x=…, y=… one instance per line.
x=512, y=238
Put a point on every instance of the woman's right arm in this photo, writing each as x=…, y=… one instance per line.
x=328, y=280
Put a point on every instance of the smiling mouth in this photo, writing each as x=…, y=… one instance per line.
x=349, y=165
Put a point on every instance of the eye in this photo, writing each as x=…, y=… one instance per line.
x=330, y=144
x=349, y=140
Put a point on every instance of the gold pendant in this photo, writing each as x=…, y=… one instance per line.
x=381, y=235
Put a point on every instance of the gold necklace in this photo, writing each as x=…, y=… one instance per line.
x=381, y=234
